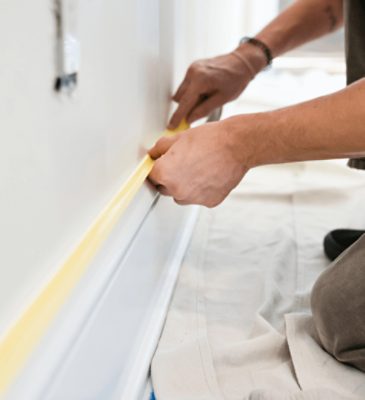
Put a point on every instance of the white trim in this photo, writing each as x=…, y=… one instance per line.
x=45, y=362
x=134, y=386
x=61, y=363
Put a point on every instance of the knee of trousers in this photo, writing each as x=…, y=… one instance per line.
x=338, y=307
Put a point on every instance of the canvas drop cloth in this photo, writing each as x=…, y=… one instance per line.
x=239, y=325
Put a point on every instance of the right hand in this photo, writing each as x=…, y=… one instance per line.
x=211, y=83
x=203, y=164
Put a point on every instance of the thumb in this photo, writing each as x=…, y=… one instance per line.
x=162, y=146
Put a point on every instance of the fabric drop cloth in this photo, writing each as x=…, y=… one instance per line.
x=239, y=326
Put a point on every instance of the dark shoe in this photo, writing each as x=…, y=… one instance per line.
x=337, y=241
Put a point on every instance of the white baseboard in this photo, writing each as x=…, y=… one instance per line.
x=103, y=340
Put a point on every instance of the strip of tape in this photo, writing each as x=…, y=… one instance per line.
x=22, y=338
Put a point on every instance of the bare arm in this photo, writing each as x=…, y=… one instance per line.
x=331, y=126
x=204, y=164
x=303, y=21
x=213, y=82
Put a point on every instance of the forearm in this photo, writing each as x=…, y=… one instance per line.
x=303, y=21
x=328, y=127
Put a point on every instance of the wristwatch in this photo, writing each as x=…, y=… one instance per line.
x=261, y=45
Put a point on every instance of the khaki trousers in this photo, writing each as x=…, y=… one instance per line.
x=338, y=306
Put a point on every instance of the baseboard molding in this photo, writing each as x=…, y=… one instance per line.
x=102, y=342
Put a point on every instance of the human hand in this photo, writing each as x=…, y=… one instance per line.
x=198, y=166
x=212, y=82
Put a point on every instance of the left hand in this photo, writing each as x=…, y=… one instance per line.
x=199, y=166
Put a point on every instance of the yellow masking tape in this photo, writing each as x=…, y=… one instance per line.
x=22, y=338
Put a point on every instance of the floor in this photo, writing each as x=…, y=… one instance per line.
x=247, y=275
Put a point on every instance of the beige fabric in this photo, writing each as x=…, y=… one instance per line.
x=316, y=394
x=314, y=367
x=338, y=306
x=252, y=261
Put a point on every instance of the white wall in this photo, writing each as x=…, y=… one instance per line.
x=62, y=159
x=206, y=28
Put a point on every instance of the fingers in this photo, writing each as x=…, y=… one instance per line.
x=181, y=90
x=182, y=202
x=205, y=108
x=163, y=190
x=184, y=85
x=160, y=188
x=187, y=102
x=156, y=177
x=162, y=146
x=159, y=177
